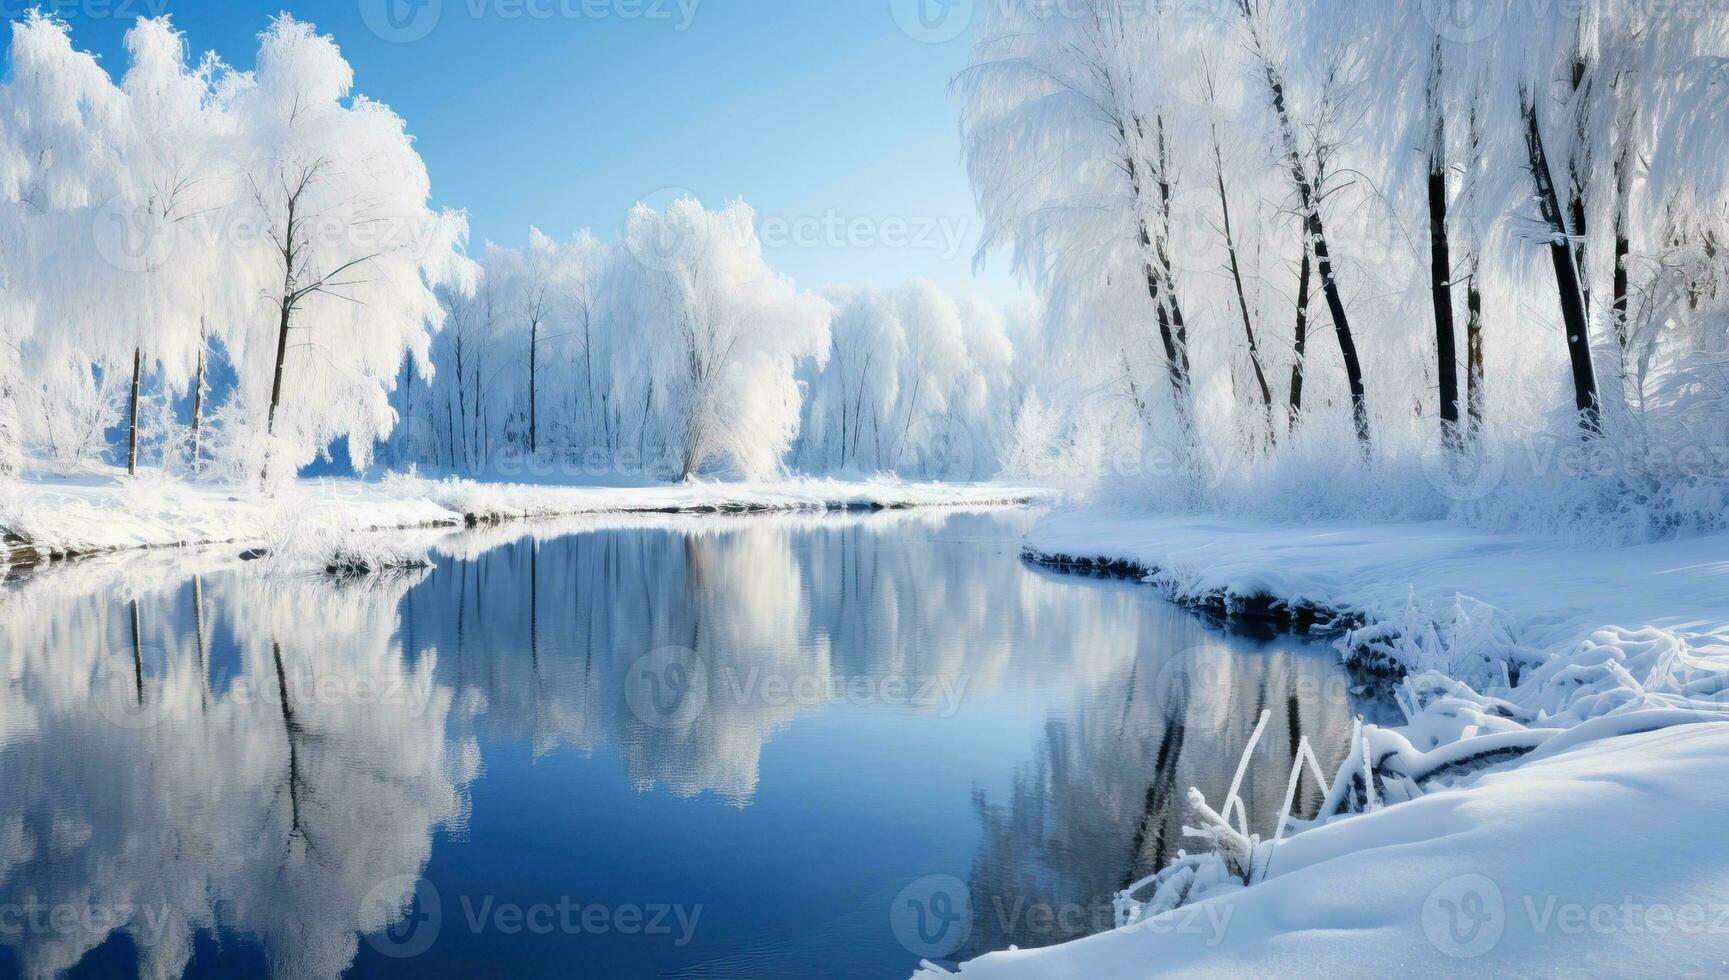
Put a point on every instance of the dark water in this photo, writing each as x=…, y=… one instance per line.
x=707, y=748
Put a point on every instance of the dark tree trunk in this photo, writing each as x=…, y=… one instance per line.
x=1174, y=360
x=533, y=379
x=1623, y=243
x=1572, y=299
x=198, y=638
x=285, y=316
x=1300, y=342
x=1178, y=326
x=1441, y=258
x=1441, y=286
x=1578, y=166
x=1317, y=234
x=1242, y=296
x=1342, y=327
x=1474, y=351
x=132, y=423
x=198, y=406
x=137, y=654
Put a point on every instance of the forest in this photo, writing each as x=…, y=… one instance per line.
x=1290, y=256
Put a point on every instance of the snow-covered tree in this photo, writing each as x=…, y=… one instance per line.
x=335, y=228
x=716, y=335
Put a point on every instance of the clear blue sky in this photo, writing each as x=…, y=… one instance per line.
x=823, y=114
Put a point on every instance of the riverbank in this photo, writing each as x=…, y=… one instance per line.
x=49, y=518
x=1558, y=776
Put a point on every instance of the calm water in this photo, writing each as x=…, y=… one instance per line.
x=708, y=748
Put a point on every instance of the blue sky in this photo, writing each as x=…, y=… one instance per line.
x=823, y=114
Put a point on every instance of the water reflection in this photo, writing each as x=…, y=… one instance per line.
x=1103, y=802
x=186, y=754
x=206, y=762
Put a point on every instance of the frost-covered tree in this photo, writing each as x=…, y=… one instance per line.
x=915, y=384
x=716, y=337
x=336, y=228
x=165, y=269
x=63, y=130
x=1069, y=148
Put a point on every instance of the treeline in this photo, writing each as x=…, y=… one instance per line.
x=678, y=350
x=238, y=270
x=1280, y=226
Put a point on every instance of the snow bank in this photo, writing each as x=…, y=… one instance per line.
x=55, y=517
x=1607, y=858
x=1489, y=592
x=1539, y=736
x=496, y=502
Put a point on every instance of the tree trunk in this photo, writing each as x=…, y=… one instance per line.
x=137, y=654
x=286, y=314
x=1177, y=325
x=1174, y=361
x=1623, y=242
x=1567, y=285
x=1242, y=296
x=533, y=379
x=1577, y=170
x=1441, y=286
x=198, y=406
x=132, y=424
x=1474, y=351
x=1300, y=341
x=198, y=638
x=1317, y=235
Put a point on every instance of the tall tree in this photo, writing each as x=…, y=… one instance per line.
x=1309, y=204
x=1440, y=253
x=1567, y=284
x=1233, y=261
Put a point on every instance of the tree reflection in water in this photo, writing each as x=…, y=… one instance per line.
x=195, y=747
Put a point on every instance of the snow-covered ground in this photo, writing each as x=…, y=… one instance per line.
x=1559, y=813
x=110, y=512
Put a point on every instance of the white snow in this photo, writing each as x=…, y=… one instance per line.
x=109, y=512
x=1558, y=593
x=1558, y=812
x=1604, y=860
